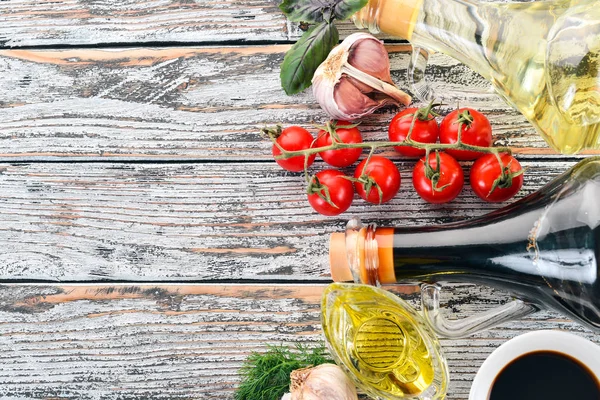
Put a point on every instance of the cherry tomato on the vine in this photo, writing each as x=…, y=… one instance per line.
x=342, y=157
x=475, y=127
x=439, y=183
x=425, y=130
x=493, y=182
x=294, y=138
x=333, y=185
x=382, y=180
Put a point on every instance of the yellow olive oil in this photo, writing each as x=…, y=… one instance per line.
x=382, y=343
x=542, y=57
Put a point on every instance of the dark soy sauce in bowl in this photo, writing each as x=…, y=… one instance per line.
x=546, y=375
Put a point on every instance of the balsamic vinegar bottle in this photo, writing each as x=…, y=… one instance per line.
x=543, y=248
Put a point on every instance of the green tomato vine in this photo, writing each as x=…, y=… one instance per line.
x=464, y=120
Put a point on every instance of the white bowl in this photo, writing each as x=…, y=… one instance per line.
x=572, y=345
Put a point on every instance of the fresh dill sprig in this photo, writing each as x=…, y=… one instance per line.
x=266, y=376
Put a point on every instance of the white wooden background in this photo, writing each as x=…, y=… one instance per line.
x=148, y=242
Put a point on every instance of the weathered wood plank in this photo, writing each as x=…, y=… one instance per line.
x=155, y=222
x=189, y=103
x=81, y=22
x=188, y=341
x=34, y=23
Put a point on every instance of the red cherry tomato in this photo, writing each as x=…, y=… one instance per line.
x=343, y=157
x=476, y=130
x=486, y=173
x=448, y=178
x=294, y=138
x=425, y=130
x=341, y=192
x=383, y=173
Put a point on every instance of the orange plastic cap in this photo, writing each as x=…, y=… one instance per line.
x=338, y=259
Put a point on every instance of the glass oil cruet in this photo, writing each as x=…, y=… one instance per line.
x=382, y=343
x=542, y=57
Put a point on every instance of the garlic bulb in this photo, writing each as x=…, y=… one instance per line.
x=355, y=80
x=323, y=382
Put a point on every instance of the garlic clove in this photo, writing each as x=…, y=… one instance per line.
x=350, y=95
x=323, y=89
x=370, y=56
x=363, y=87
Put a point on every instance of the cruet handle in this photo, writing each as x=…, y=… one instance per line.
x=430, y=299
x=416, y=75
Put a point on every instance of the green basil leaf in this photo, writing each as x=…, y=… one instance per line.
x=301, y=61
x=306, y=10
x=346, y=8
x=315, y=11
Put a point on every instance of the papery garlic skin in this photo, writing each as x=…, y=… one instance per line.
x=323, y=382
x=327, y=76
x=355, y=80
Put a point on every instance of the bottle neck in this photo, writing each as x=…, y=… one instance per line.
x=452, y=27
x=490, y=253
x=394, y=17
x=445, y=26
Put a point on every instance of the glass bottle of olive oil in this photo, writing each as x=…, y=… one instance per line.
x=542, y=57
x=383, y=343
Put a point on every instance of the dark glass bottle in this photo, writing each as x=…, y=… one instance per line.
x=543, y=248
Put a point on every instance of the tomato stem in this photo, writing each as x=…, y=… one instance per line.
x=368, y=160
x=428, y=147
x=272, y=132
x=379, y=144
x=465, y=118
x=415, y=117
x=368, y=182
x=316, y=187
x=330, y=127
x=505, y=180
x=424, y=112
x=434, y=175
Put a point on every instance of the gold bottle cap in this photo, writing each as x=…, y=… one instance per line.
x=399, y=17
x=338, y=259
x=394, y=17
